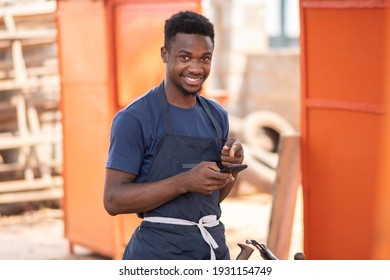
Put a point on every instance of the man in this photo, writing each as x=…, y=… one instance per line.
x=166, y=150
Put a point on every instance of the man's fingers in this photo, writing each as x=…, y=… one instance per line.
x=229, y=143
x=235, y=148
x=210, y=165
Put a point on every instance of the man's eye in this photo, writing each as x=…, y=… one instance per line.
x=185, y=57
x=206, y=59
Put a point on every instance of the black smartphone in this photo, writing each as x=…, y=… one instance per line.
x=233, y=168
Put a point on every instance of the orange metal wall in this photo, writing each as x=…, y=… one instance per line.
x=86, y=111
x=382, y=207
x=343, y=111
x=109, y=55
x=137, y=45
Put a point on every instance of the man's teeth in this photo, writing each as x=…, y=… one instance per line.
x=193, y=79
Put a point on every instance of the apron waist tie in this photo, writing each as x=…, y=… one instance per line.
x=206, y=221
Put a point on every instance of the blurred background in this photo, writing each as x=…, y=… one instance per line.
x=306, y=95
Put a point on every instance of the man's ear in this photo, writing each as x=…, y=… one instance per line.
x=164, y=54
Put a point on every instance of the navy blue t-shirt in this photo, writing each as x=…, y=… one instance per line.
x=138, y=129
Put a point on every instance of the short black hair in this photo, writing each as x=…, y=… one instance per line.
x=187, y=22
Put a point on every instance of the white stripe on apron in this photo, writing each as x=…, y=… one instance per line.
x=206, y=221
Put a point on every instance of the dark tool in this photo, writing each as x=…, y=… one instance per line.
x=245, y=253
x=265, y=253
x=299, y=256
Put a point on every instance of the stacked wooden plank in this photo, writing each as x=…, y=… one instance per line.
x=30, y=120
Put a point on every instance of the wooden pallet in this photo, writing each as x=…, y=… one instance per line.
x=35, y=190
x=29, y=85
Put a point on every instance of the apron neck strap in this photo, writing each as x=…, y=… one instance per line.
x=211, y=117
x=165, y=112
x=162, y=98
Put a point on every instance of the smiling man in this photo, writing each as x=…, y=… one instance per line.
x=166, y=151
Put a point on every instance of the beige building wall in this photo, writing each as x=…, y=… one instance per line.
x=254, y=76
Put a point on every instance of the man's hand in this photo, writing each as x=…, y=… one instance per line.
x=232, y=152
x=204, y=178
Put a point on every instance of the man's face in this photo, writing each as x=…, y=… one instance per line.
x=188, y=62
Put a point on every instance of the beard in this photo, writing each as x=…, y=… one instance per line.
x=188, y=93
x=185, y=92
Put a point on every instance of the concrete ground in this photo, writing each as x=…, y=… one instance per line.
x=39, y=234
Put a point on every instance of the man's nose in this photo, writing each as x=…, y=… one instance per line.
x=195, y=66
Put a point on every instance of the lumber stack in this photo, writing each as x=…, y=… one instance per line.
x=30, y=120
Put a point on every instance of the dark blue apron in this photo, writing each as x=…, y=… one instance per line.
x=170, y=241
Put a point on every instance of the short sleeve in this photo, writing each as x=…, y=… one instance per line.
x=126, y=144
